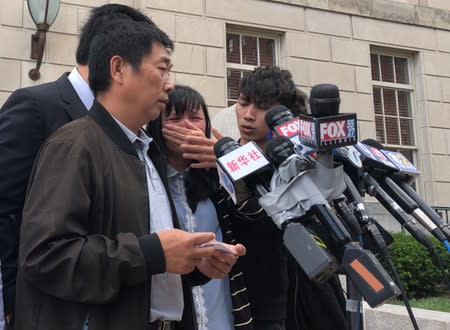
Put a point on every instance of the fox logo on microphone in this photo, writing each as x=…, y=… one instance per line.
x=337, y=130
x=289, y=128
x=328, y=132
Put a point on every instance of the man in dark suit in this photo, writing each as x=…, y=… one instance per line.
x=27, y=119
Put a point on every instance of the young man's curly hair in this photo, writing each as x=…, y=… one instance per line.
x=267, y=86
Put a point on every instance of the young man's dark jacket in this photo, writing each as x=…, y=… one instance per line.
x=265, y=263
x=85, y=246
x=277, y=287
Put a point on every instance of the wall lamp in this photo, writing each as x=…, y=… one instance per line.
x=43, y=13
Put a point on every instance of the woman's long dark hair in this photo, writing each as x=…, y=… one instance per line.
x=200, y=183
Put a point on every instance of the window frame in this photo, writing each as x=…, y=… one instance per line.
x=408, y=56
x=251, y=32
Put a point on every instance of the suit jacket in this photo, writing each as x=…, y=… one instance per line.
x=86, y=247
x=27, y=119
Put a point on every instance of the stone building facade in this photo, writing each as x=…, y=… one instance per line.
x=390, y=60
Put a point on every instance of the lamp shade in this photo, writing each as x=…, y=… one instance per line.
x=43, y=12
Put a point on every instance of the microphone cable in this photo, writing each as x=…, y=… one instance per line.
x=402, y=290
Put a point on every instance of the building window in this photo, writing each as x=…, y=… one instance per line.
x=393, y=102
x=245, y=52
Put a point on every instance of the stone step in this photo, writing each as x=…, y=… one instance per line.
x=395, y=317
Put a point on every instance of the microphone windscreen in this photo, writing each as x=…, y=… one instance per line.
x=324, y=100
x=372, y=143
x=279, y=149
x=277, y=115
x=224, y=146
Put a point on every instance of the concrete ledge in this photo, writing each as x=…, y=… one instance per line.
x=388, y=10
x=396, y=317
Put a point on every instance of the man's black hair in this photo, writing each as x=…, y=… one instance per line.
x=266, y=86
x=98, y=18
x=300, y=105
x=130, y=40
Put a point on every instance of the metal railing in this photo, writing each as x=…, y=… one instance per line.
x=444, y=212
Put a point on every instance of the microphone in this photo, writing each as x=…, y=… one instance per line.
x=405, y=175
x=408, y=222
x=400, y=196
x=411, y=207
x=326, y=128
x=379, y=165
x=334, y=130
x=405, y=219
x=279, y=148
x=293, y=196
x=350, y=158
x=241, y=168
x=406, y=171
x=426, y=209
x=305, y=246
x=348, y=217
x=277, y=116
x=375, y=237
x=291, y=184
x=375, y=160
x=324, y=100
x=283, y=123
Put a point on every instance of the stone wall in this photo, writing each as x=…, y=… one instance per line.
x=432, y=13
x=321, y=41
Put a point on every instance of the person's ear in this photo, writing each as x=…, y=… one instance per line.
x=116, y=67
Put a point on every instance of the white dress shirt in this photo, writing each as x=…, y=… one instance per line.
x=167, y=291
x=82, y=88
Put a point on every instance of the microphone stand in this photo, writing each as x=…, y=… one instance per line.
x=324, y=101
x=368, y=223
x=354, y=299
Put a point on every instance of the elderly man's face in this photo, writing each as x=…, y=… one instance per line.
x=149, y=86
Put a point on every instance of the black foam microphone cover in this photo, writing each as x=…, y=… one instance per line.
x=372, y=143
x=224, y=146
x=279, y=149
x=324, y=100
x=278, y=115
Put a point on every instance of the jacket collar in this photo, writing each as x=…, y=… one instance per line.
x=102, y=117
x=74, y=107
